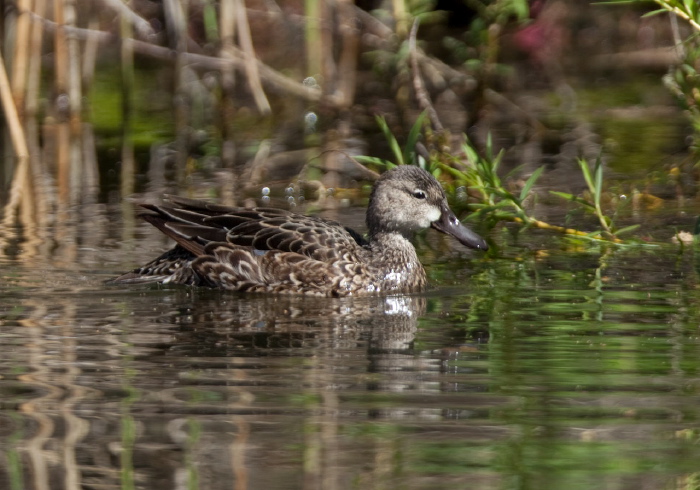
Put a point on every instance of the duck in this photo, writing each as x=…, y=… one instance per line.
x=268, y=250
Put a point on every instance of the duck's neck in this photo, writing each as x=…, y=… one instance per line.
x=396, y=259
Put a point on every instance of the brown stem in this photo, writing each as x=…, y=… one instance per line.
x=421, y=93
x=14, y=124
x=249, y=60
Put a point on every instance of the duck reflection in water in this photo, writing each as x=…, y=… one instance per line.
x=216, y=324
x=277, y=251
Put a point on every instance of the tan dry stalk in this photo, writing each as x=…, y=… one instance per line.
x=418, y=86
x=400, y=18
x=60, y=49
x=312, y=9
x=249, y=59
x=74, y=88
x=20, y=60
x=347, y=64
x=34, y=71
x=128, y=169
x=92, y=44
x=227, y=30
x=176, y=20
x=19, y=142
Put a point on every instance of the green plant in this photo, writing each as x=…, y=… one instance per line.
x=479, y=173
x=594, y=180
x=482, y=176
x=403, y=156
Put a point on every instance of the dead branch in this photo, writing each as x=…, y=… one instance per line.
x=421, y=93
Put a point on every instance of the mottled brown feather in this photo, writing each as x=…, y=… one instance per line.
x=277, y=251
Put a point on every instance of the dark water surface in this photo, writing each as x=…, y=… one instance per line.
x=543, y=367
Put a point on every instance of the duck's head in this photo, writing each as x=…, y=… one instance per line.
x=407, y=199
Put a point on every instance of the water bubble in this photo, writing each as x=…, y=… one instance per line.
x=265, y=191
x=310, y=82
x=289, y=191
x=623, y=197
x=310, y=119
x=461, y=193
x=290, y=200
x=330, y=191
x=266, y=198
x=63, y=103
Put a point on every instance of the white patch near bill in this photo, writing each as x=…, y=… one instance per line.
x=434, y=214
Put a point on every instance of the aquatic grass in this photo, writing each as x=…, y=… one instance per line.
x=479, y=172
x=482, y=177
x=503, y=205
x=402, y=156
x=594, y=180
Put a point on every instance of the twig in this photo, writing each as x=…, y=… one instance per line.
x=561, y=229
x=34, y=69
x=418, y=85
x=249, y=60
x=142, y=28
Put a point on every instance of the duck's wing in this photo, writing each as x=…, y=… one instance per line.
x=194, y=224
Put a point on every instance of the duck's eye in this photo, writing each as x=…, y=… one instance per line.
x=419, y=194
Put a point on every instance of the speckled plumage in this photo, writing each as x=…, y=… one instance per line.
x=277, y=251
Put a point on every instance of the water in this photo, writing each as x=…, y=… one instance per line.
x=548, y=365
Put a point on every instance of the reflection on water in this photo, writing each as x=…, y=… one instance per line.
x=557, y=370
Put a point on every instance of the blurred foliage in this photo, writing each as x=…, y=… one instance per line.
x=479, y=47
x=683, y=80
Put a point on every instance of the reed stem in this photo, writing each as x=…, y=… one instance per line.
x=19, y=142
x=250, y=65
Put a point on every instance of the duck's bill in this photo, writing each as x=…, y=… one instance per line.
x=449, y=224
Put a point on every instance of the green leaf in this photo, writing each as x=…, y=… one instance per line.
x=689, y=6
x=586, y=171
x=520, y=8
x=564, y=195
x=455, y=173
x=576, y=199
x=530, y=182
x=598, y=180
x=413, y=136
x=627, y=229
x=373, y=161
x=393, y=144
x=654, y=12
x=489, y=147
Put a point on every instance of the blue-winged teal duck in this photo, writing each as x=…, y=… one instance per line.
x=276, y=251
